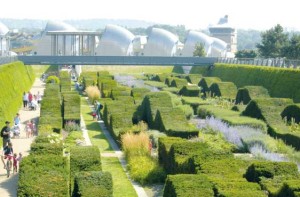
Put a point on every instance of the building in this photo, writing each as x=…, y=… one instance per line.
x=161, y=43
x=226, y=32
x=214, y=47
x=4, y=40
x=115, y=41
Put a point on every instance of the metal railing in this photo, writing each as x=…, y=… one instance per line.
x=274, y=62
x=8, y=59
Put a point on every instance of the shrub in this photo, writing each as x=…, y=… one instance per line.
x=48, y=124
x=188, y=185
x=173, y=90
x=135, y=144
x=190, y=90
x=223, y=89
x=105, y=86
x=161, y=77
x=53, y=79
x=145, y=170
x=291, y=112
x=74, y=138
x=270, y=169
x=71, y=126
x=154, y=135
x=93, y=184
x=157, y=84
x=193, y=78
x=178, y=83
x=43, y=175
x=247, y=93
x=120, y=91
x=120, y=123
x=194, y=102
x=290, y=188
x=206, y=82
x=71, y=106
x=46, y=148
x=93, y=93
x=138, y=94
x=187, y=110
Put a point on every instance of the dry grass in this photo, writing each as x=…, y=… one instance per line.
x=136, y=144
x=93, y=93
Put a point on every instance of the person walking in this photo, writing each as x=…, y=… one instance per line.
x=30, y=97
x=25, y=100
x=17, y=119
x=5, y=133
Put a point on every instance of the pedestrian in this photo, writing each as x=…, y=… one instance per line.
x=5, y=133
x=39, y=98
x=25, y=100
x=30, y=97
x=28, y=129
x=17, y=119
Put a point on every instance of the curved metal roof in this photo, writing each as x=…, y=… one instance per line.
x=192, y=39
x=161, y=43
x=3, y=29
x=58, y=26
x=115, y=40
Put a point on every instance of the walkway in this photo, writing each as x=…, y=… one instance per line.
x=119, y=154
x=8, y=186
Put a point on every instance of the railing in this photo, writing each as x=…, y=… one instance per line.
x=275, y=62
x=6, y=60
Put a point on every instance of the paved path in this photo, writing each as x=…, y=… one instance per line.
x=8, y=186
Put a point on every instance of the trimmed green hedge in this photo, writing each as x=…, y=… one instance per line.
x=120, y=123
x=193, y=78
x=190, y=90
x=247, y=93
x=178, y=83
x=291, y=112
x=161, y=77
x=152, y=102
x=55, y=124
x=120, y=91
x=169, y=80
x=182, y=185
x=16, y=78
x=46, y=149
x=157, y=84
x=231, y=117
x=194, y=102
x=270, y=169
x=164, y=146
x=223, y=89
x=105, y=86
x=138, y=94
x=206, y=82
x=44, y=175
x=93, y=184
x=290, y=188
x=173, y=90
x=71, y=106
x=174, y=123
x=280, y=82
x=187, y=157
x=269, y=109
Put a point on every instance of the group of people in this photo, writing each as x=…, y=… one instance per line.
x=8, y=152
x=31, y=101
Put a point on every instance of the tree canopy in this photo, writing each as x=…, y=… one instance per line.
x=199, y=50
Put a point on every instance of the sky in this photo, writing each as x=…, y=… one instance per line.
x=194, y=14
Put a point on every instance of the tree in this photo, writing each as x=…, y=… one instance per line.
x=199, y=50
x=292, y=50
x=246, y=54
x=272, y=43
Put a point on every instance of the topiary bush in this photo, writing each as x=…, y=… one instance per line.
x=46, y=148
x=291, y=112
x=190, y=90
x=93, y=184
x=178, y=83
x=247, y=93
x=53, y=79
x=223, y=89
x=193, y=78
x=206, y=82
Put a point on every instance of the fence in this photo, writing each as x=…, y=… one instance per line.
x=275, y=62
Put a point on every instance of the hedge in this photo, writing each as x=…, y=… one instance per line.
x=161, y=77
x=178, y=83
x=280, y=82
x=138, y=94
x=156, y=84
x=93, y=184
x=178, y=69
x=151, y=103
x=231, y=117
x=194, y=102
x=55, y=123
x=88, y=78
x=16, y=78
x=270, y=169
x=269, y=109
x=247, y=93
x=273, y=185
x=173, y=90
x=237, y=188
x=182, y=185
x=174, y=123
x=164, y=146
x=223, y=89
x=43, y=175
x=84, y=158
x=120, y=91
x=71, y=106
x=190, y=90
x=120, y=123
x=105, y=86
x=187, y=110
x=290, y=188
x=65, y=81
x=187, y=157
x=206, y=82
x=291, y=112
x=193, y=78
x=46, y=149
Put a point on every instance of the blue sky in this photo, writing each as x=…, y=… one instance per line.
x=251, y=14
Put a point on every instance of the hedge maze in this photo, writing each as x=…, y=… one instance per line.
x=198, y=161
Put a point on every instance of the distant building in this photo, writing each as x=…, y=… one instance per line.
x=4, y=40
x=161, y=43
x=226, y=32
x=115, y=41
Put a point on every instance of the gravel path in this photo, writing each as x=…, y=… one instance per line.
x=8, y=186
